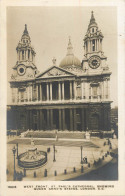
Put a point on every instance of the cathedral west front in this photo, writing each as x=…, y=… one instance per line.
x=74, y=95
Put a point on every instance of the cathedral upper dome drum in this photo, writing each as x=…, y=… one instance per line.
x=70, y=60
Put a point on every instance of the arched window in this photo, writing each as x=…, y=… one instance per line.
x=93, y=45
x=22, y=54
x=28, y=54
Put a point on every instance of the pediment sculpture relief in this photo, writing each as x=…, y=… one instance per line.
x=56, y=72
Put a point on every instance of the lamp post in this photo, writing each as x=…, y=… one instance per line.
x=81, y=154
x=54, y=153
x=14, y=152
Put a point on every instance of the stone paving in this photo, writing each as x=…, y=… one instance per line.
x=68, y=155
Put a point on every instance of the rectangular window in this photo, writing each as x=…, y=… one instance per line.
x=22, y=96
x=34, y=93
x=79, y=92
x=94, y=91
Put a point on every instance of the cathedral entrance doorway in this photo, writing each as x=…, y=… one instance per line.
x=95, y=122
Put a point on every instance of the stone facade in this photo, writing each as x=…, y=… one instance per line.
x=71, y=96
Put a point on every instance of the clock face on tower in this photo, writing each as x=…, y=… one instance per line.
x=94, y=62
x=21, y=69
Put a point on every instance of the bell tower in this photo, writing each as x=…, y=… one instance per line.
x=94, y=59
x=25, y=66
x=93, y=38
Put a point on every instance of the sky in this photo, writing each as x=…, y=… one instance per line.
x=49, y=29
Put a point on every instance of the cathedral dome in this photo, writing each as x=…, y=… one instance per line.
x=70, y=60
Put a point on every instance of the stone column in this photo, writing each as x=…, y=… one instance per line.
x=40, y=89
x=30, y=55
x=31, y=119
x=70, y=90
x=16, y=95
x=27, y=119
x=59, y=91
x=21, y=55
x=28, y=93
x=18, y=55
x=96, y=44
x=62, y=90
x=12, y=93
x=63, y=119
x=51, y=119
x=38, y=120
x=51, y=91
x=31, y=92
x=82, y=89
x=74, y=119
x=26, y=54
x=19, y=97
x=84, y=95
x=71, y=120
x=74, y=89
x=48, y=120
x=36, y=92
x=89, y=92
x=108, y=89
x=87, y=118
x=41, y=120
x=88, y=46
x=103, y=89
x=101, y=44
x=47, y=89
x=98, y=93
x=60, y=120
x=82, y=119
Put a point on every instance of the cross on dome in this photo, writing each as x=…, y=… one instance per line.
x=69, y=48
x=54, y=61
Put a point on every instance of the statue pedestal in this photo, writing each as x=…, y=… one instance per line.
x=87, y=136
x=32, y=152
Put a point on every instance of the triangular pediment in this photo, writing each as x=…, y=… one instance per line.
x=55, y=72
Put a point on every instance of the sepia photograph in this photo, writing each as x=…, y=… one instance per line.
x=62, y=94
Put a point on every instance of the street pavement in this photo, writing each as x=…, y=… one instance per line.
x=68, y=156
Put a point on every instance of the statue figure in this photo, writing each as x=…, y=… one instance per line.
x=32, y=142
